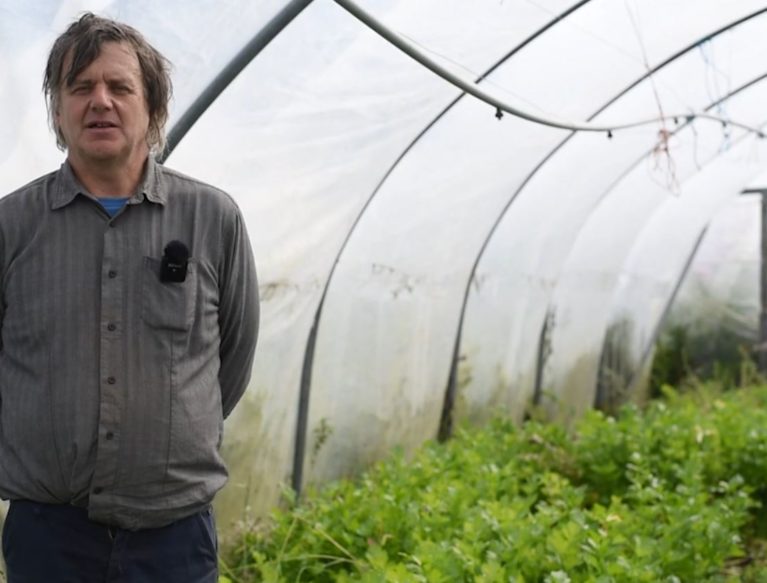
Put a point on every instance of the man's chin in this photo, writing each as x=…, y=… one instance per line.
x=104, y=154
x=101, y=155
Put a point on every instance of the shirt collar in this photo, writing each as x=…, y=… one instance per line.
x=150, y=188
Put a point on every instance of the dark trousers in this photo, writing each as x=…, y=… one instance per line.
x=49, y=543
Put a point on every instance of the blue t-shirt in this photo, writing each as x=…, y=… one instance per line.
x=113, y=205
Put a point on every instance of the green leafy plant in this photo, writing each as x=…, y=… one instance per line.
x=669, y=493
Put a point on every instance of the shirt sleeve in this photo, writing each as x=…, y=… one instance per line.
x=2, y=287
x=238, y=314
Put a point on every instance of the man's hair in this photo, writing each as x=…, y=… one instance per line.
x=83, y=39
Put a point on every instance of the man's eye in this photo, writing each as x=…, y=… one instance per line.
x=80, y=89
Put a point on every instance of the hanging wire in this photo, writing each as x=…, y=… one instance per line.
x=646, y=64
x=696, y=147
x=603, y=41
x=473, y=89
x=663, y=149
x=600, y=39
x=713, y=74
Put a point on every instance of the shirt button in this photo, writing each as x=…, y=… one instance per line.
x=112, y=274
x=111, y=380
x=110, y=435
x=111, y=327
x=98, y=490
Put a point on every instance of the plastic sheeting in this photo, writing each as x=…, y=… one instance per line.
x=311, y=147
x=395, y=299
x=719, y=296
x=714, y=318
x=511, y=319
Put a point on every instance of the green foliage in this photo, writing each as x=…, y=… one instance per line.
x=671, y=361
x=664, y=494
x=682, y=356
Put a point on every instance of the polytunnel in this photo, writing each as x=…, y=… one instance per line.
x=458, y=209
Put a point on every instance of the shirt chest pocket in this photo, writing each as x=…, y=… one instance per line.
x=168, y=305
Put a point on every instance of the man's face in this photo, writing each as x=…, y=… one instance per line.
x=103, y=115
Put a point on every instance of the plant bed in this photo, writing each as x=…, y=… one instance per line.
x=671, y=492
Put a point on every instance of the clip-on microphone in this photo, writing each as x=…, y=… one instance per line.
x=174, y=262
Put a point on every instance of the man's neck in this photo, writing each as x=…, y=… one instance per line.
x=109, y=180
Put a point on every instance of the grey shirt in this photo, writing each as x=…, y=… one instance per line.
x=113, y=384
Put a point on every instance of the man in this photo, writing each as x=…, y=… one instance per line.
x=128, y=323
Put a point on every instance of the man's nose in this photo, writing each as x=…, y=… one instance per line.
x=101, y=98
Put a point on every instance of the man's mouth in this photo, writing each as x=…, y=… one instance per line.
x=100, y=125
